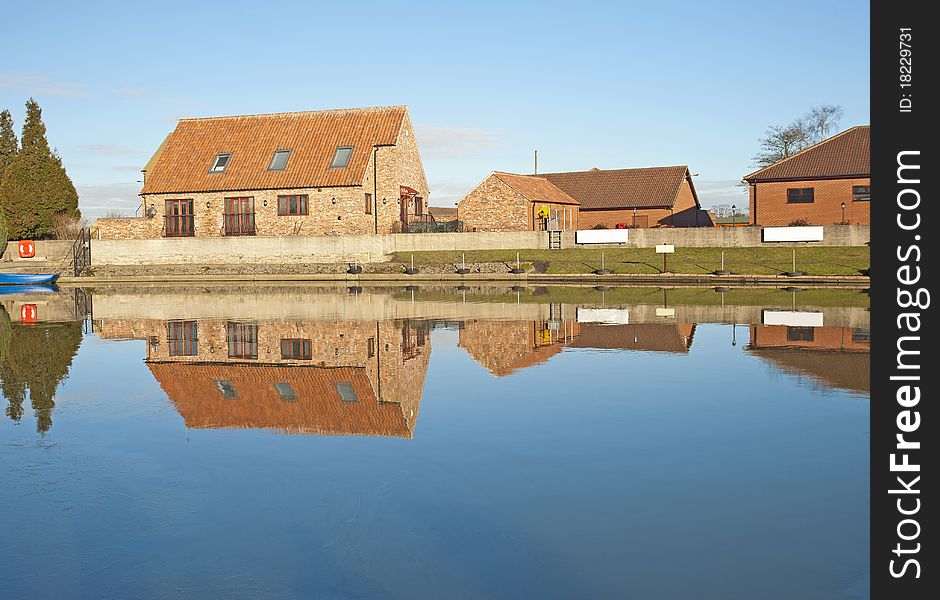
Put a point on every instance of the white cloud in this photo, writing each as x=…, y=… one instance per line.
x=110, y=150
x=96, y=200
x=43, y=86
x=452, y=142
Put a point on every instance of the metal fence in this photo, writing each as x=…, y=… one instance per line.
x=433, y=227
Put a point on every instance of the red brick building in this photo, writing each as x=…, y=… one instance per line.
x=607, y=199
x=826, y=184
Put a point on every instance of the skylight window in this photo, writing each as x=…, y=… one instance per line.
x=346, y=392
x=341, y=158
x=279, y=160
x=285, y=391
x=221, y=161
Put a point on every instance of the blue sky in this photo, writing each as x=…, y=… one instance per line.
x=588, y=84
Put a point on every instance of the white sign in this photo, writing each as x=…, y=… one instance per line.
x=606, y=316
x=665, y=249
x=792, y=234
x=601, y=236
x=793, y=318
x=665, y=312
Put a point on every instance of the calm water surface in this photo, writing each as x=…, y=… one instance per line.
x=309, y=442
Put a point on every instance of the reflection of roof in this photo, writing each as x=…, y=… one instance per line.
x=318, y=408
x=536, y=189
x=651, y=187
x=656, y=337
x=848, y=370
x=842, y=155
x=182, y=162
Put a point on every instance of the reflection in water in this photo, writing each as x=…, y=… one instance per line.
x=34, y=359
x=314, y=377
x=322, y=362
x=833, y=356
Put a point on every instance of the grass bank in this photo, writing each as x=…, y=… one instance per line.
x=819, y=260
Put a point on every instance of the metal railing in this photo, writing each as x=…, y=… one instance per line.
x=81, y=252
x=431, y=226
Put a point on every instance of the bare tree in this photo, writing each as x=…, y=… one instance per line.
x=781, y=141
x=822, y=119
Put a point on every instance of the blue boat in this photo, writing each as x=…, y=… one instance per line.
x=27, y=278
x=7, y=290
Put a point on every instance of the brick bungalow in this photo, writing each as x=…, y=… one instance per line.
x=511, y=202
x=608, y=199
x=348, y=171
x=826, y=184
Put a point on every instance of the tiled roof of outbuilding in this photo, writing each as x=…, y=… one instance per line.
x=845, y=154
x=652, y=187
x=535, y=188
x=183, y=160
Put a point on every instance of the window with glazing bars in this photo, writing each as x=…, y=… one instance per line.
x=292, y=205
x=295, y=349
x=178, y=218
x=799, y=195
x=182, y=338
x=239, y=216
x=242, y=340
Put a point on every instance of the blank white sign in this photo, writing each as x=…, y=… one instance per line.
x=609, y=316
x=601, y=236
x=792, y=234
x=665, y=248
x=793, y=318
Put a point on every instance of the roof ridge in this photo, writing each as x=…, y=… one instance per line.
x=807, y=149
x=299, y=112
x=524, y=195
x=595, y=169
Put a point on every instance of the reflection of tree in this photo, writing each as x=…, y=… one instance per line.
x=34, y=359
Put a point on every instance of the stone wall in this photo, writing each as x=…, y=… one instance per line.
x=717, y=237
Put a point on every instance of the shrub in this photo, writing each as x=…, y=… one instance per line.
x=599, y=226
x=66, y=226
x=798, y=223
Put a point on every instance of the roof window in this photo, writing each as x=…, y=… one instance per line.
x=279, y=160
x=341, y=158
x=221, y=161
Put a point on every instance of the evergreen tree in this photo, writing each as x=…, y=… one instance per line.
x=34, y=361
x=8, y=144
x=35, y=186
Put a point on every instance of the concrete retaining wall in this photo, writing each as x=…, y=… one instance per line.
x=46, y=250
x=374, y=248
x=711, y=237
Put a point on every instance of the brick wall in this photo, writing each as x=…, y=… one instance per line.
x=495, y=206
x=823, y=338
x=772, y=208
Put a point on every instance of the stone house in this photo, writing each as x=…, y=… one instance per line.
x=603, y=199
x=826, y=184
x=330, y=172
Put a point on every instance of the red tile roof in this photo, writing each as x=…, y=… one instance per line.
x=535, y=188
x=318, y=408
x=182, y=162
x=653, y=187
x=651, y=337
x=847, y=154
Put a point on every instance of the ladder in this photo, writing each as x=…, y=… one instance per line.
x=554, y=239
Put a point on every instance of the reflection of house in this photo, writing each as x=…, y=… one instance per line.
x=836, y=356
x=652, y=197
x=651, y=337
x=504, y=347
x=318, y=377
x=349, y=171
x=813, y=185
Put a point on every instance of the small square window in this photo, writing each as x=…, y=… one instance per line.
x=294, y=205
x=285, y=391
x=225, y=388
x=341, y=158
x=861, y=193
x=346, y=392
x=279, y=160
x=221, y=161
